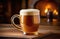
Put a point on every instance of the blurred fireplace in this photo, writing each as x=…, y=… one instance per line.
x=44, y=5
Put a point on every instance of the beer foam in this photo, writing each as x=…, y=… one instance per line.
x=29, y=12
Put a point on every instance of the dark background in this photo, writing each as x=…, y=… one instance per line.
x=11, y=7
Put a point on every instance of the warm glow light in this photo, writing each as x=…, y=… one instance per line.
x=46, y=10
x=48, y=6
x=55, y=12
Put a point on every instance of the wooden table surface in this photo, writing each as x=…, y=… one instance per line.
x=8, y=31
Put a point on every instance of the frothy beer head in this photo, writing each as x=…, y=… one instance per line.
x=29, y=12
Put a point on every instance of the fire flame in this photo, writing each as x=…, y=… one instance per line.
x=50, y=6
x=55, y=12
x=46, y=10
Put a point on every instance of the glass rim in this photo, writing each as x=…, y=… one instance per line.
x=29, y=12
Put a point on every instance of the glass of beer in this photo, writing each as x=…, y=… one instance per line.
x=29, y=21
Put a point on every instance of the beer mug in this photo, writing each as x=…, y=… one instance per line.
x=29, y=21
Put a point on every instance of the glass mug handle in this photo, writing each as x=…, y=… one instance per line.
x=12, y=21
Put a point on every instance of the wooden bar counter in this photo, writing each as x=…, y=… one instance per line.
x=8, y=31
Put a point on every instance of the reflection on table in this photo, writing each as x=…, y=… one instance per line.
x=9, y=32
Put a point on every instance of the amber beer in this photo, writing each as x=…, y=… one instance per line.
x=30, y=20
